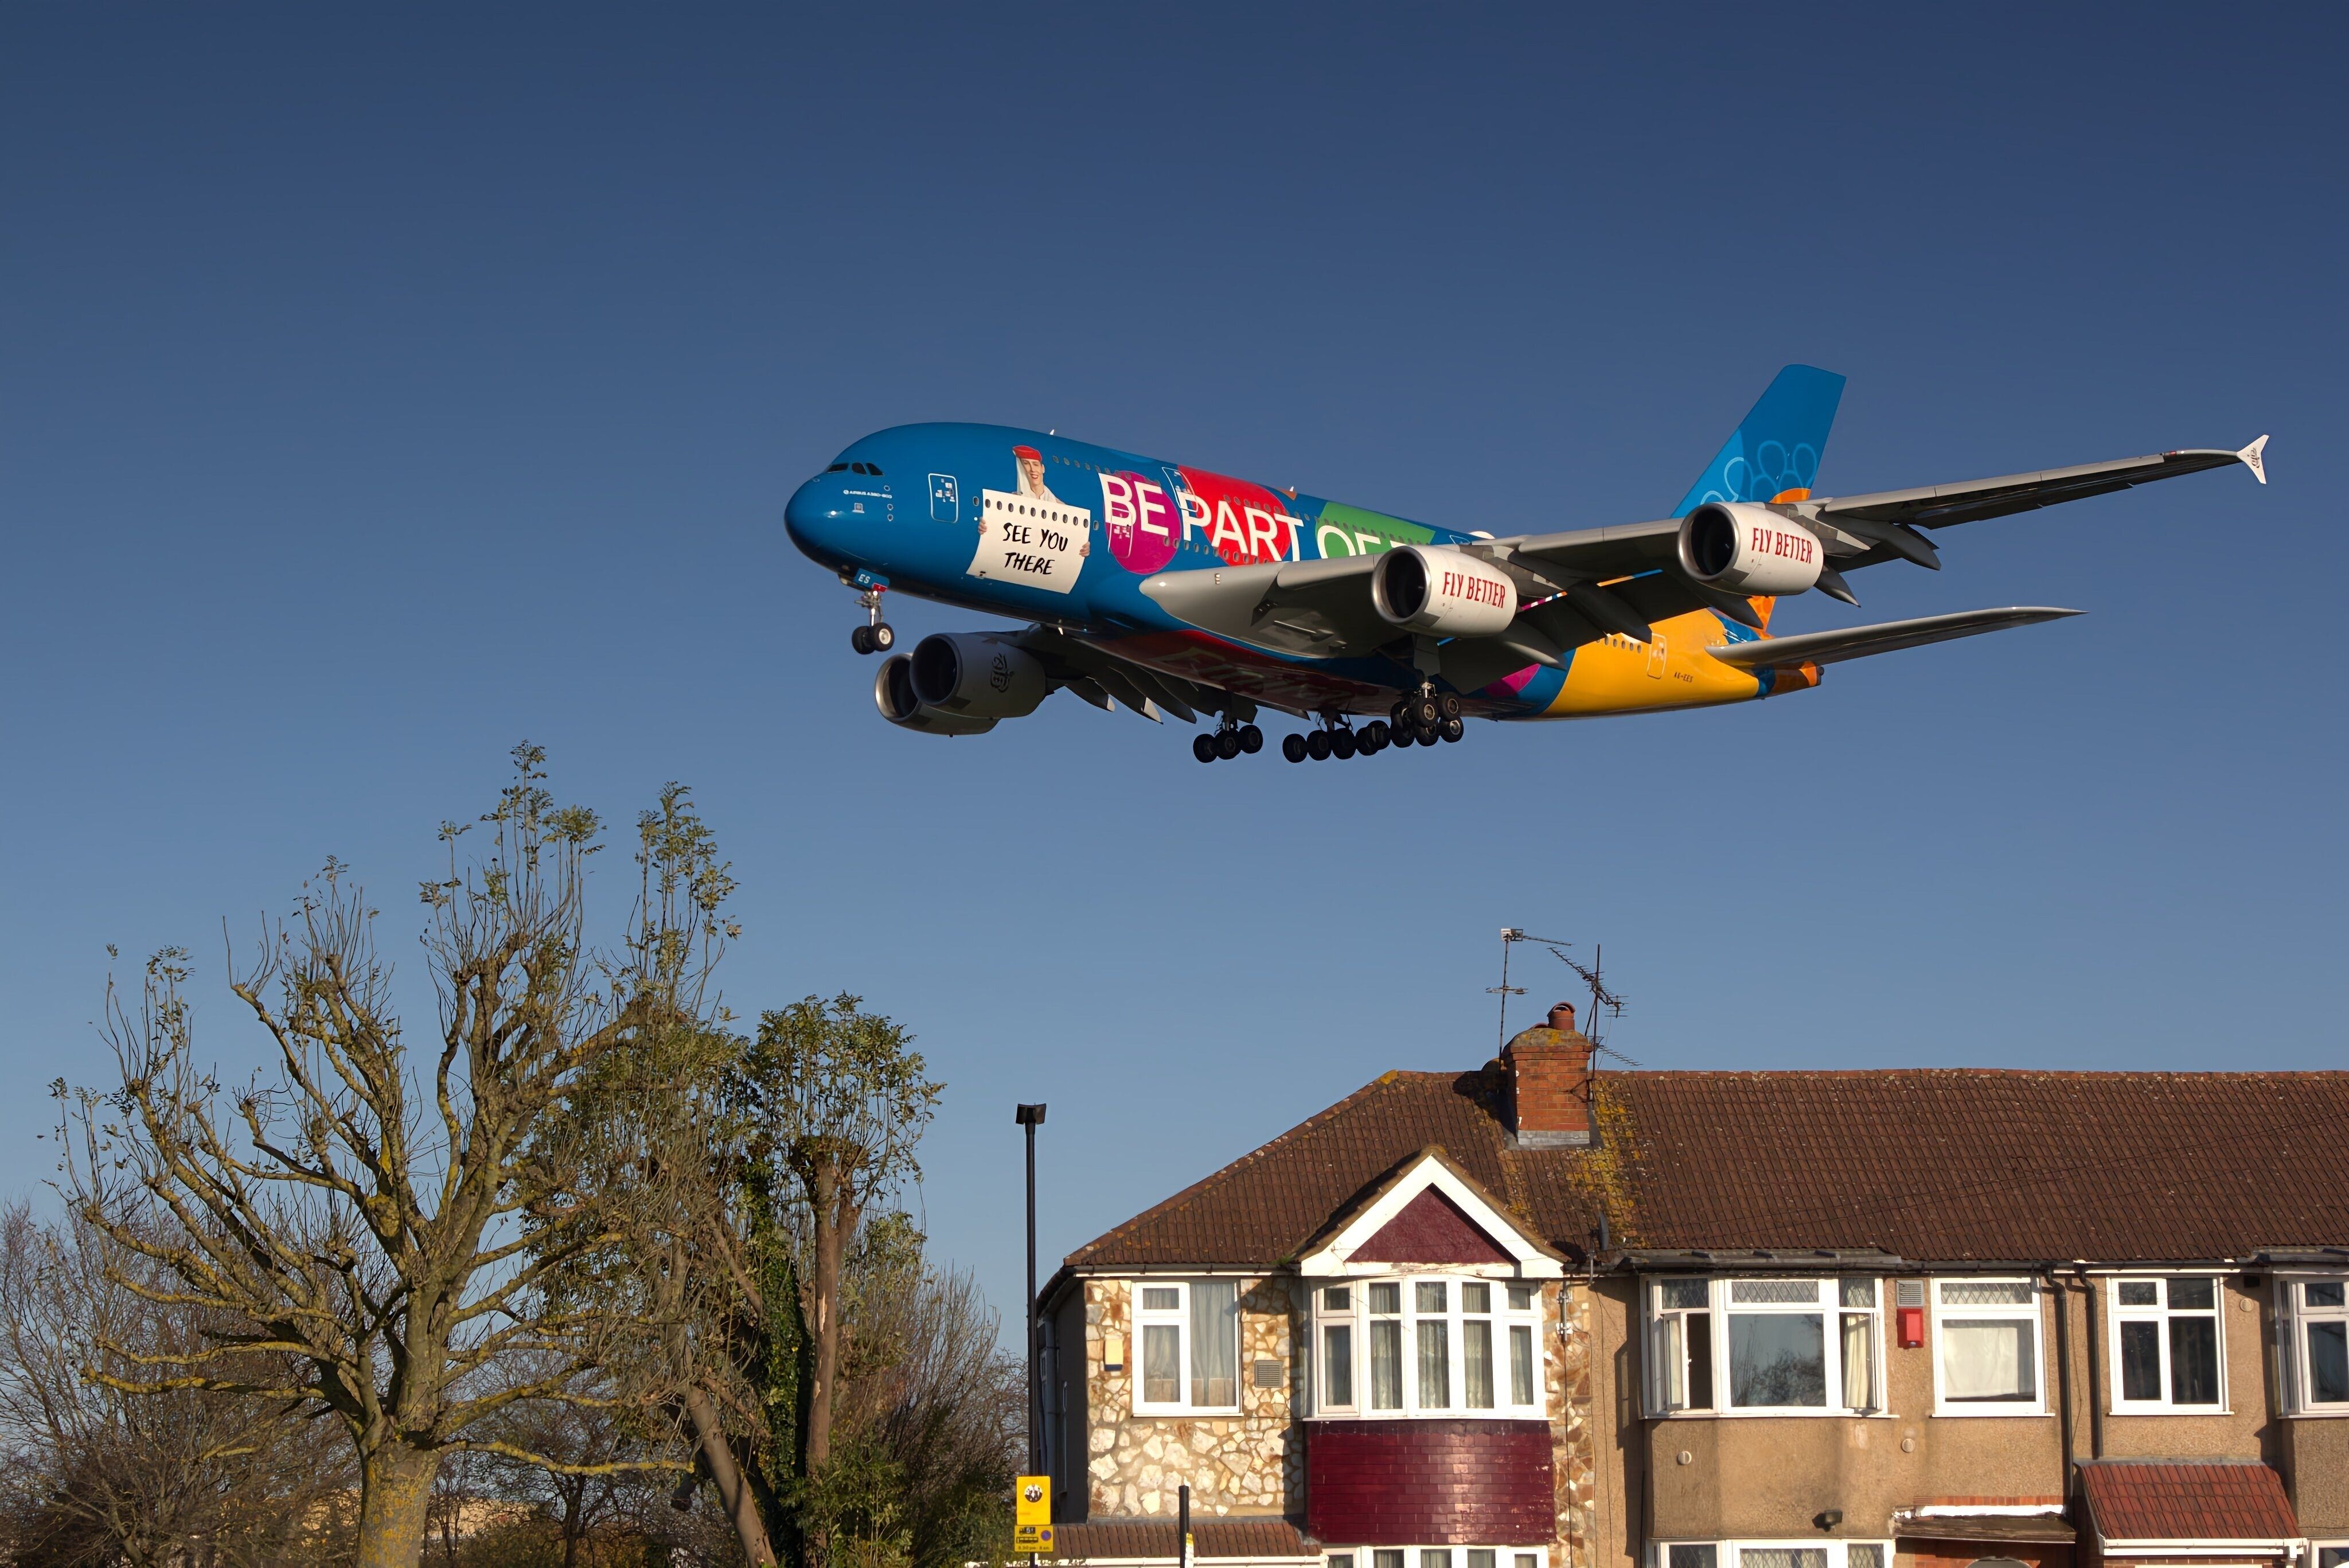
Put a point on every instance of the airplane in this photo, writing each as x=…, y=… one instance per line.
x=1171, y=589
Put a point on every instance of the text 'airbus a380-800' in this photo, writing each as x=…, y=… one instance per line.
x=1172, y=590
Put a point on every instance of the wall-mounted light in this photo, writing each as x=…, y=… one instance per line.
x=1827, y=1517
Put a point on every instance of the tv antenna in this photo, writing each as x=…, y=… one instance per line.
x=1601, y=997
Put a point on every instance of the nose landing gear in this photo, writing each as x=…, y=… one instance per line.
x=876, y=636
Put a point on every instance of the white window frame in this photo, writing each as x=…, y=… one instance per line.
x=2116, y=1314
x=1503, y=1317
x=2293, y=1317
x=2317, y=1549
x=1719, y=1305
x=1503, y=1556
x=1725, y=1552
x=1137, y=1352
x=2032, y=1312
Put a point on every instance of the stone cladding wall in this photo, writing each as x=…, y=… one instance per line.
x=1251, y=1463
x=1572, y=1376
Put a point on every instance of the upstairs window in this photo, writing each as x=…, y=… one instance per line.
x=2165, y=1344
x=1986, y=1357
x=1765, y=1345
x=1189, y=1332
x=2312, y=1323
x=1425, y=1346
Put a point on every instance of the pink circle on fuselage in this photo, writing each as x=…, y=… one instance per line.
x=1143, y=521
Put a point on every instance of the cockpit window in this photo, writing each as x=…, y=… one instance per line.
x=873, y=468
x=837, y=468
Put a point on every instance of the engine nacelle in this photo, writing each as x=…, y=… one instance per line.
x=1744, y=549
x=893, y=693
x=1444, y=592
x=975, y=676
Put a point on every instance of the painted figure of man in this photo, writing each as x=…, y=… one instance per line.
x=1031, y=474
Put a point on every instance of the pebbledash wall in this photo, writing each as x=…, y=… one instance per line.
x=1254, y=1464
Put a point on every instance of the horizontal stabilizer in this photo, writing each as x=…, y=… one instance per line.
x=1860, y=642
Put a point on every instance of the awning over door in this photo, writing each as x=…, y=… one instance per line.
x=2186, y=1510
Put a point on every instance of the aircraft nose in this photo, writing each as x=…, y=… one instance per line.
x=819, y=520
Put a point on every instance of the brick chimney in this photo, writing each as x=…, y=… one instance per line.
x=1548, y=1070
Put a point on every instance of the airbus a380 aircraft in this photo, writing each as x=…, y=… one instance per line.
x=1170, y=589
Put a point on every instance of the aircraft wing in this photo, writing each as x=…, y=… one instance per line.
x=1860, y=642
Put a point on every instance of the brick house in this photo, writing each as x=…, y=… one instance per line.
x=1537, y=1317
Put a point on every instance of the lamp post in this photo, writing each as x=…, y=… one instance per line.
x=1031, y=1117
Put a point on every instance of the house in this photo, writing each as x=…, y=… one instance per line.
x=1535, y=1315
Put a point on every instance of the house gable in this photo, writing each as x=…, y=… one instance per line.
x=1429, y=1213
x=1431, y=1229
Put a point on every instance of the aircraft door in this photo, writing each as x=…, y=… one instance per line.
x=1656, y=653
x=946, y=499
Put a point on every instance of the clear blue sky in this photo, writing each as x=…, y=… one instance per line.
x=381, y=386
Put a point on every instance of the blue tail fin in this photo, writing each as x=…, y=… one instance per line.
x=1777, y=449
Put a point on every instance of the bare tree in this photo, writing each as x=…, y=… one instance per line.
x=98, y=1476
x=366, y=1215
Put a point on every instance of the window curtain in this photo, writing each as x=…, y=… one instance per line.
x=1434, y=1364
x=1858, y=1361
x=1215, y=1343
x=1985, y=1360
x=1477, y=1362
x=1162, y=1377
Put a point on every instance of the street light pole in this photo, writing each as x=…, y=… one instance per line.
x=1031, y=1117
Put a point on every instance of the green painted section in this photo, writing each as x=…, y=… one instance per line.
x=1343, y=530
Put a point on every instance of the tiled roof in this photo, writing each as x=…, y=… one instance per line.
x=1116, y=1539
x=1928, y=1164
x=2187, y=1500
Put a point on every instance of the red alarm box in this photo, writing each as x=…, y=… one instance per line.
x=1910, y=1326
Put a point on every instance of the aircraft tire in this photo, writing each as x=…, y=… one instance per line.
x=1204, y=747
x=1424, y=714
x=1293, y=747
x=1375, y=735
x=1399, y=735
x=1316, y=745
x=1228, y=743
x=1342, y=745
x=884, y=637
x=1448, y=705
x=860, y=639
x=1251, y=739
x=1454, y=727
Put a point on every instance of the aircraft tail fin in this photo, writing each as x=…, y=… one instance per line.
x=1775, y=453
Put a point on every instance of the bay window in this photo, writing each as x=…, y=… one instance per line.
x=1986, y=1350
x=2312, y=1327
x=2165, y=1344
x=1428, y=1346
x=1189, y=1331
x=1742, y=1343
x=1771, y=1554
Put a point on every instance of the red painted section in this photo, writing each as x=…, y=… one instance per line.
x=1438, y=1483
x=1431, y=1229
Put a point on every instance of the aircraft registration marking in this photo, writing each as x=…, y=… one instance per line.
x=1041, y=543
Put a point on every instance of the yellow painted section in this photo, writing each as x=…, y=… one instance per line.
x=1616, y=675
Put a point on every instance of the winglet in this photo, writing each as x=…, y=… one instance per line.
x=2253, y=460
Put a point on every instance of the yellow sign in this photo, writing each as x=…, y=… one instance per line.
x=1034, y=1531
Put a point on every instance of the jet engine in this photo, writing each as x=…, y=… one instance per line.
x=1744, y=549
x=1443, y=592
x=973, y=675
x=893, y=693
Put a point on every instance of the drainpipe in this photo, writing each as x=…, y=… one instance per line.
x=2095, y=1368
x=2063, y=1370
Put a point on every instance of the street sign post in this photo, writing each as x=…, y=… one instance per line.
x=1033, y=1523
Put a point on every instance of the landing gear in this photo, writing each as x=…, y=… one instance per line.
x=1227, y=742
x=1428, y=716
x=1337, y=738
x=1294, y=748
x=876, y=636
x=1317, y=746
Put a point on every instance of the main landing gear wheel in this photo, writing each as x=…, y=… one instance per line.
x=1204, y=747
x=1228, y=743
x=1316, y=745
x=1454, y=727
x=1251, y=739
x=1342, y=744
x=1294, y=748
